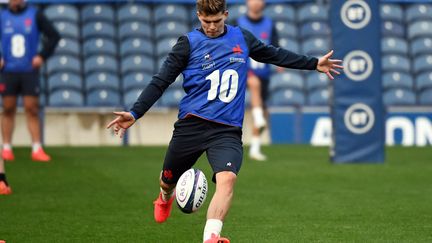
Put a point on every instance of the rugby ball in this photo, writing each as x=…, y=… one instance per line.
x=191, y=190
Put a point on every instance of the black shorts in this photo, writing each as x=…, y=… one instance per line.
x=265, y=83
x=192, y=137
x=14, y=84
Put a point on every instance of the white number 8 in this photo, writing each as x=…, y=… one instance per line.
x=18, y=45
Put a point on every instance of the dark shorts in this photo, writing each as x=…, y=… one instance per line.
x=192, y=137
x=265, y=83
x=14, y=84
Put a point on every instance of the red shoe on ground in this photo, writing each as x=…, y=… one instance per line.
x=8, y=155
x=162, y=209
x=40, y=156
x=217, y=239
x=4, y=190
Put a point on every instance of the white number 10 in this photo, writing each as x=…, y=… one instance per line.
x=228, y=90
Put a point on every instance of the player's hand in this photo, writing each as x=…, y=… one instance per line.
x=122, y=122
x=329, y=66
x=37, y=62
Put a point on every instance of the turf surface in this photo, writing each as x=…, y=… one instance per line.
x=105, y=195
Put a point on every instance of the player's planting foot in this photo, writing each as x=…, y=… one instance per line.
x=257, y=156
x=40, y=156
x=8, y=155
x=4, y=189
x=217, y=239
x=162, y=209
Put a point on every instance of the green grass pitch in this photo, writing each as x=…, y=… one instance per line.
x=105, y=194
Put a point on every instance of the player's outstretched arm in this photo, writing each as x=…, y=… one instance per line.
x=328, y=66
x=122, y=122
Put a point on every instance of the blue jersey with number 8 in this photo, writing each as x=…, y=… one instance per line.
x=215, y=77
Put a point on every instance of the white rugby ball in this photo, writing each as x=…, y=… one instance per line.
x=191, y=190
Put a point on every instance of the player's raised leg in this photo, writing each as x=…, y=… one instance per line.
x=8, y=124
x=4, y=187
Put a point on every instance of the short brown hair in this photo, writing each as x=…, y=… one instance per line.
x=211, y=7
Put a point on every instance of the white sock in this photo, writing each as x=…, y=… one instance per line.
x=166, y=196
x=258, y=117
x=36, y=147
x=213, y=226
x=255, y=144
x=7, y=146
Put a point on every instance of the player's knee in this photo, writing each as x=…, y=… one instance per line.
x=32, y=110
x=226, y=180
x=9, y=111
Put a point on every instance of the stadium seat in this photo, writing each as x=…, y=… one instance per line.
x=397, y=80
x=399, y=97
x=172, y=97
x=67, y=46
x=425, y=97
x=422, y=63
x=171, y=12
x=419, y=12
x=235, y=11
x=316, y=28
x=285, y=29
x=316, y=46
x=395, y=63
x=420, y=29
x=391, y=28
x=62, y=12
x=134, y=12
x=99, y=46
x=98, y=29
x=313, y=12
x=394, y=45
x=135, y=30
x=66, y=98
x=163, y=47
x=424, y=81
x=392, y=12
x=102, y=80
x=287, y=97
x=315, y=80
x=97, y=12
x=63, y=63
x=67, y=29
x=137, y=63
x=170, y=29
x=136, y=46
x=64, y=80
x=136, y=80
x=319, y=97
x=279, y=12
x=421, y=46
x=178, y=83
x=103, y=97
x=286, y=80
x=289, y=44
x=100, y=63
x=132, y=95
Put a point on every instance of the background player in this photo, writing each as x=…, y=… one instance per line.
x=213, y=61
x=4, y=187
x=21, y=26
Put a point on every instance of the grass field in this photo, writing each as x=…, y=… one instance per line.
x=105, y=195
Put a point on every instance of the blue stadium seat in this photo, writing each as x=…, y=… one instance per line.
x=319, y=97
x=171, y=12
x=136, y=80
x=102, y=80
x=103, y=97
x=287, y=97
x=163, y=47
x=425, y=97
x=424, y=81
x=421, y=46
x=170, y=29
x=316, y=46
x=315, y=28
x=172, y=97
x=235, y=11
x=422, y=63
x=394, y=45
x=63, y=63
x=285, y=29
x=392, y=12
x=62, y=12
x=66, y=98
x=131, y=96
x=135, y=29
x=134, y=46
x=391, y=28
x=279, y=12
x=399, y=97
x=395, y=63
x=137, y=63
x=99, y=46
x=97, y=12
x=289, y=44
x=419, y=12
x=420, y=29
x=100, y=63
x=178, y=83
x=313, y=12
x=67, y=46
x=134, y=12
x=397, y=79
x=315, y=80
x=98, y=29
x=67, y=29
x=286, y=80
x=64, y=80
